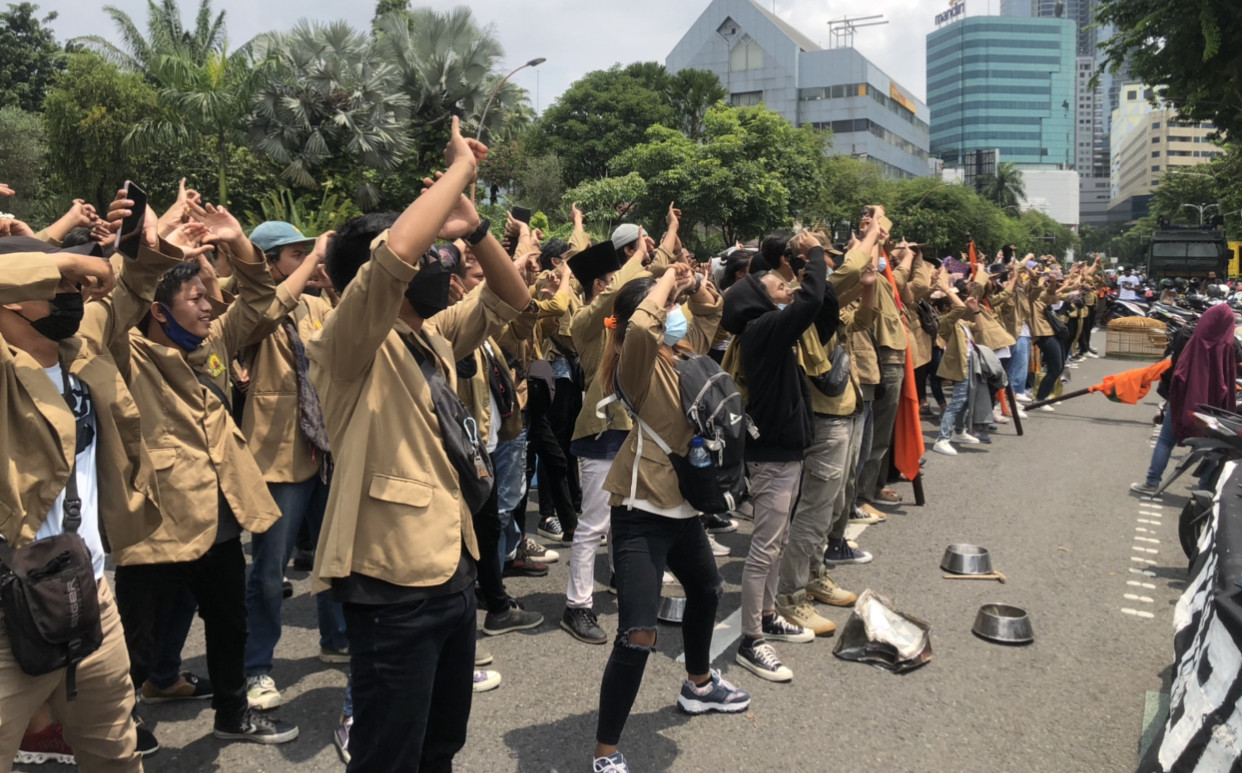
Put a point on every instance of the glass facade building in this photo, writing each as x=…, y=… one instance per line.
x=1006, y=83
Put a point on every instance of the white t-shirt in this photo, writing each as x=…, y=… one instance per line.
x=87, y=476
x=493, y=429
x=1127, y=285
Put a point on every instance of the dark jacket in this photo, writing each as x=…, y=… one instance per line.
x=779, y=398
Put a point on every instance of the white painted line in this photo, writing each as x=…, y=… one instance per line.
x=855, y=530
x=727, y=631
x=1137, y=613
x=1138, y=560
x=1140, y=528
x=1133, y=597
x=1150, y=523
x=1144, y=550
x=1148, y=539
x=1151, y=505
x=1143, y=572
x=1138, y=584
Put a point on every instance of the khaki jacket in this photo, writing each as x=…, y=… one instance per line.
x=476, y=393
x=956, y=345
x=990, y=332
x=1039, y=299
x=1005, y=304
x=395, y=511
x=650, y=383
x=196, y=449
x=271, y=419
x=864, y=364
x=39, y=434
x=587, y=330
x=890, y=333
x=918, y=280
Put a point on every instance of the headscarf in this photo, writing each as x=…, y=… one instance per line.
x=1206, y=370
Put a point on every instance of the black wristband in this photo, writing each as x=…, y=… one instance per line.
x=480, y=233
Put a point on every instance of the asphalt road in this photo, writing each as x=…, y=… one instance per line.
x=1053, y=508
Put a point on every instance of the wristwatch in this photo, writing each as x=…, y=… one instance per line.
x=480, y=233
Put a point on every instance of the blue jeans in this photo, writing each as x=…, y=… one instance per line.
x=270, y=553
x=509, y=459
x=955, y=409
x=1163, y=450
x=1019, y=364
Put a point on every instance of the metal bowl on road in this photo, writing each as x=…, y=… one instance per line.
x=966, y=559
x=1003, y=624
x=672, y=609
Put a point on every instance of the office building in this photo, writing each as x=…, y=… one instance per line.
x=1150, y=142
x=1006, y=83
x=1081, y=12
x=760, y=58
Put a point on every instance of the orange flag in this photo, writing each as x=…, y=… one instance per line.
x=973, y=259
x=1132, y=385
x=908, y=430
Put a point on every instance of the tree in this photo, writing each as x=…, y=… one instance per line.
x=30, y=58
x=691, y=93
x=1004, y=188
x=1187, y=48
x=332, y=105
x=89, y=111
x=609, y=201
x=1178, y=188
x=540, y=187
x=166, y=36
x=22, y=157
x=599, y=116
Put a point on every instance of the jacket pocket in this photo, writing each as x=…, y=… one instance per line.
x=402, y=491
x=163, y=458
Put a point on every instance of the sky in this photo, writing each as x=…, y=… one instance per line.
x=576, y=36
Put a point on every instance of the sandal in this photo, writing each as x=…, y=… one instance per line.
x=888, y=497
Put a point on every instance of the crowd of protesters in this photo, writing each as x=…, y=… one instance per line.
x=392, y=389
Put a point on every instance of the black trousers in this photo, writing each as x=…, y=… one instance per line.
x=1088, y=324
x=564, y=414
x=644, y=545
x=412, y=668
x=218, y=581
x=541, y=441
x=491, y=581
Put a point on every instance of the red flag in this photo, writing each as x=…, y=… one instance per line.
x=908, y=431
x=1132, y=385
x=973, y=260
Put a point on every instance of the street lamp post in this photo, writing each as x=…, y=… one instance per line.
x=1200, y=208
x=483, y=118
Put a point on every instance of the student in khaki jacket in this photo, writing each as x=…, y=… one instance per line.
x=957, y=323
x=653, y=526
x=397, y=545
x=177, y=369
x=43, y=329
x=283, y=425
x=596, y=440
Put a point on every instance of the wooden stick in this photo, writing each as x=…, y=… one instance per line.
x=919, y=499
x=1065, y=396
x=991, y=576
x=1013, y=408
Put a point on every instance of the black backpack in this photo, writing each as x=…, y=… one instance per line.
x=716, y=413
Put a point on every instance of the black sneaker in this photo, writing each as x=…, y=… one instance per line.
x=147, y=745
x=841, y=552
x=303, y=560
x=779, y=629
x=286, y=588
x=550, y=528
x=758, y=657
x=512, y=619
x=583, y=625
x=718, y=524
x=253, y=726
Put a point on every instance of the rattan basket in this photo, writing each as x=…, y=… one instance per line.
x=1136, y=338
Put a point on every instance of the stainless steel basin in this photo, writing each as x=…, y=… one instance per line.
x=966, y=559
x=1004, y=624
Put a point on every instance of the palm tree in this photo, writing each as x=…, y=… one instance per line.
x=166, y=36
x=449, y=66
x=330, y=98
x=692, y=92
x=1005, y=188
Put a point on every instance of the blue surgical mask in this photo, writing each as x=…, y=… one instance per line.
x=177, y=334
x=781, y=306
x=674, y=327
x=883, y=264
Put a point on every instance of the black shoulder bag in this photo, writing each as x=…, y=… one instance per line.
x=48, y=593
x=460, y=433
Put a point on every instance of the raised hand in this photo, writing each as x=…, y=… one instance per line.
x=576, y=214
x=223, y=227
x=6, y=190
x=94, y=275
x=462, y=219
x=189, y=237
x=460, y=148
x=673, y=218
x=11, y=226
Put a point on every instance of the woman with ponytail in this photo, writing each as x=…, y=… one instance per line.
x=652, y=525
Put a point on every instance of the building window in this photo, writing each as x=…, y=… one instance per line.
x=1155, y=169
x=746, y=55
x=1155, y=154
x=746, y=98
x=1155, y=140
x=1131, y=95
x=1155, y=124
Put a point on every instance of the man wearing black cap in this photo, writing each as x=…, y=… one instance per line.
x=596, y=440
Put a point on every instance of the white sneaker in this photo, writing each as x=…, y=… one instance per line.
x=486, y=680
x=1022, y=414
x=998, y=416
x=718, y=550
x=944, y=447
x=1046, y=409
x=964, y=438
x=1022, y=397
x=1093, y=355
x=669, y=579
x=261, y=693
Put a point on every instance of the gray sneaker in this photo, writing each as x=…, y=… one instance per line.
x=513, y=619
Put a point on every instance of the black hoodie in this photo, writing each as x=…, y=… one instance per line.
x=779, y=397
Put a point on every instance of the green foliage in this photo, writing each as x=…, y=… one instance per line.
x=310, y=214
x=599, y=116
x=540, y=221
x=88, y=113
x=29, y=57
x=23, y=154
x=166, y=36
x=1004, y=188
x=540, y=186
x=609, y=201
x=691, y=93
x=1188, y=48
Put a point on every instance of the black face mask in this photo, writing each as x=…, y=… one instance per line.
x=428, y=291
x=63, y=319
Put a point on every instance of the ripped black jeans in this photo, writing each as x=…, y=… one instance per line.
x=644, y=545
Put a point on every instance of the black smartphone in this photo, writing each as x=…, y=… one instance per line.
x=129, y=237
x=521, y=214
